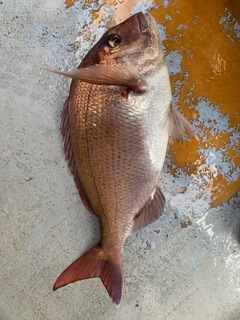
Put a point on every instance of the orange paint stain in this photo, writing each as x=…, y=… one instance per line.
x=222, y=190
x=108, y=3
x=69, y=3
x=210, y=56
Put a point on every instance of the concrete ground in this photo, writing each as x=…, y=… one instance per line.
x=186, y=266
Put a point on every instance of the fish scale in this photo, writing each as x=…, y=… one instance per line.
x=117, y=146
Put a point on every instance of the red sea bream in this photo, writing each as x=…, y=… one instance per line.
x=116, y=123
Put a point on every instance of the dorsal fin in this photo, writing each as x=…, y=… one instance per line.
x=151, y=212
x=69, y=156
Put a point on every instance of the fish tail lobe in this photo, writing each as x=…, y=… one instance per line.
x=94, y=263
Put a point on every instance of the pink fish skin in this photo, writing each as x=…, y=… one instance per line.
x=115, y=124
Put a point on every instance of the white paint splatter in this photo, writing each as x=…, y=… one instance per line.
x=181, y=26
x=230, y=24
x=215, y=158
x=168, y=17
x=195, y=20
x=144, y=6
x=165, y=3
x=174, y=59
x=210, y=117
x=163, y=36
x=162, y=31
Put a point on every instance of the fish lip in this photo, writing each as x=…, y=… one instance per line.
x=143, y=23
x=147, y=23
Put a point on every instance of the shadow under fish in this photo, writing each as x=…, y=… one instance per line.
x=115, y=125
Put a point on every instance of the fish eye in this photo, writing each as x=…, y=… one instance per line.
x=114, y=40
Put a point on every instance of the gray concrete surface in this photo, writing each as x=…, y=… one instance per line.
x=170, y=271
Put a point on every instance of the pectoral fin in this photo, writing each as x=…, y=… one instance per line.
x=177, y=124
x=107, y=75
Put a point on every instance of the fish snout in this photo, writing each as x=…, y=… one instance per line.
x=143, y=23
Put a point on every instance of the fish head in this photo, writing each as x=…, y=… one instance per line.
x=134, y=42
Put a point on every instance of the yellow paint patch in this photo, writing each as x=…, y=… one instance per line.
x=109, y=3
x=210, y=56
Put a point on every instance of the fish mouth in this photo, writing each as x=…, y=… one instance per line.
x=146, y=22
x=143, y=23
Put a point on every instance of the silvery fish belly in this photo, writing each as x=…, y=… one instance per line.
x=115, y=123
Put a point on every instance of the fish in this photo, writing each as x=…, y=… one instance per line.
x=116, y=123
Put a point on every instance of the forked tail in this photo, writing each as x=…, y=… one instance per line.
x=94, y=263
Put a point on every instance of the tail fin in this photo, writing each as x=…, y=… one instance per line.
x=95, y=264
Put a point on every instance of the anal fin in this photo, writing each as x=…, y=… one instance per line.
x=151, y=212
x=69, y=156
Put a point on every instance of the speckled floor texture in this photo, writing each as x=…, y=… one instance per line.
x=186, y=266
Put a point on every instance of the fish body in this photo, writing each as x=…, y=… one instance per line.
x=115, y=125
